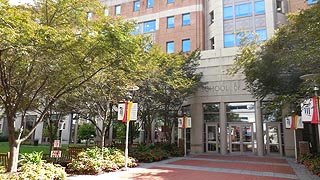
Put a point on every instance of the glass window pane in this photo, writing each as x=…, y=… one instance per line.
x=241, y=112
x=262, y=34
x=149, y=26
x=312, y=1
x=89, y=16
x=170, y=22
x=228, y=40
x=170, y=47
x=106, y=12
x=211, y=117
x=186, y=45
x=136, y=6
x=228, y=12
x=259, y=7
x=170, y=1
x=118, y=9
x=185, y=19
x=150, y=4
x=138, y=29
x=212, y=107
x=243, y=10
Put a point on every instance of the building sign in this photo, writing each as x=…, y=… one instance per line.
x=236, y=87
x=56, y=143
x=55, y=153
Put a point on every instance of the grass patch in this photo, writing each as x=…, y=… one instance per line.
x=4, y=147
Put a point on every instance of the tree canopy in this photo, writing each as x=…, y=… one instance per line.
x=51, y=49
x=274, y=67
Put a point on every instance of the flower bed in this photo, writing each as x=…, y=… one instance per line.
x=312, y=162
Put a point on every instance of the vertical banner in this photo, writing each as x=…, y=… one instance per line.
x=181, y=122
x=294, y=122
x=127, y=110
x=188, y=122
x=288, y=121
x=315, y=113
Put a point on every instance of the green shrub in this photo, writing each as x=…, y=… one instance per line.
x=31, y=158
x=151, y=153
x=96, y=160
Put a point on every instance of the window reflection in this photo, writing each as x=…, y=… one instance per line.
x=241, y=112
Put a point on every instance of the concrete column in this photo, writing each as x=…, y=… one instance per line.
x=196, y=137
x=223, y=128
x=259, y=129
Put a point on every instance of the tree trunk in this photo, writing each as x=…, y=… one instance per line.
x=13, y=158
x=13, y=145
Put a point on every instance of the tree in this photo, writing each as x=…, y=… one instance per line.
x=50, y=50
x=170, y=79
x=275, y=66
x=86, y=131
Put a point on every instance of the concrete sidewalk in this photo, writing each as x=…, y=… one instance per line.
x=212, y=166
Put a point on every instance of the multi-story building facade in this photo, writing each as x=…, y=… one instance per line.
x=225, y=118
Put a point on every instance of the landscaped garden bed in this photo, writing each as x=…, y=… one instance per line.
x=312, y=162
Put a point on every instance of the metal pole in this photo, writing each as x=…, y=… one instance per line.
x=126, y=150
x=185, y=141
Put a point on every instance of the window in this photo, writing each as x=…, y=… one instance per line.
x=262, y=34
x=241, y=112
x=170, y=22
x=185, y=19
x=118, y=9
x=228, y=40
x=212, y=43
x=211, y=17
x=150, y=4
x=227, y=12
x=312, y=1
x=149, y=26
x=259, y=7
x=243, y=10
x=170, y=1
x=211, y=112
x=106, y=12
x=186, y=45
x=138, y=29
x=89, y=16
x=136, y=5
x=244, y=38
x=170, y=47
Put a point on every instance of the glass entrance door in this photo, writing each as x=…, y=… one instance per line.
x=212, y=137
x=273, y=141
x=241, y=138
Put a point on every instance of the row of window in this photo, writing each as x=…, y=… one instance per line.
x=185, y=20
x=231, y=40
x=185, y=46
x=145, y=27
x=150, y=26
x=242, y=10
x=136, y=4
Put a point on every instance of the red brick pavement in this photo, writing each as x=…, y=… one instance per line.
x=237, y=165
x=196, y=173
x=160, y=173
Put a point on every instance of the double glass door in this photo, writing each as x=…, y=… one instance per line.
x=241, y=138
x=212, y=137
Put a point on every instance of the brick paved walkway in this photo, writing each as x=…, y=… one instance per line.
x=213, y=167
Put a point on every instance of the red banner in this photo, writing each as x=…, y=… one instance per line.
x=315, y=114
